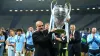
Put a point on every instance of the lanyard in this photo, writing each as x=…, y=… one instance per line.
x=18, y=39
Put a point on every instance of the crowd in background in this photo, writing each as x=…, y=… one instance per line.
x=17, y=42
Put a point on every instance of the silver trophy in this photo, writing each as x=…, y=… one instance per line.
x=59, y=16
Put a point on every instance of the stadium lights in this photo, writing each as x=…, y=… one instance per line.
x=93, y=8
x=47, y=10
x=17, y=0
x=78, y=9
x=20, y=0
x=31, y=10
x=21, y=10
x=88, y=8
x=10, y=10
x=40, y=0
x=16, y=10
x=72, y=9
x=37, y=10
x=42, y=10
x=26, y=10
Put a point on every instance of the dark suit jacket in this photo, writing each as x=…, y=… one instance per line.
x=63, y=42
x=55, y=42
x=42, y=42
x=75, y=43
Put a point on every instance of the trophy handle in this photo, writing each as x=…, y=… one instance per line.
x=68, y=6
x=52, y=5
x=52, y=16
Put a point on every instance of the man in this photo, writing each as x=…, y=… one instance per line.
x=54, y=49
x=2, y=40
x=84, y=45
x=20, y=43
x=63, y=45
x=55, y=44
x=47, y=26
x=42, y=40
x=93, y=41
x=29, y=42
x=74, y=46
x=5, y=34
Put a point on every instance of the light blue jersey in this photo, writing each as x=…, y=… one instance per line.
x=2, y=45
x=20, y=40
x=29, y=38
x=11, y=40
x=2, y=38
x=93, y=41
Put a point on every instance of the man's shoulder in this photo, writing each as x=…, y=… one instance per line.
x=36, y=32
x=77, y=32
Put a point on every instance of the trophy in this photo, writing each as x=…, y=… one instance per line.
x=59, y=16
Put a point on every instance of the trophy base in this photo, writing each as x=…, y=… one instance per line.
x=60, y=31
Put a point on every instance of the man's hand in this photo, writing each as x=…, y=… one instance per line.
x=58, y=39
x=68, y=20
x=71, y=37
x=53, y=29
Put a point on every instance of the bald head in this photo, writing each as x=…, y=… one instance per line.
x=94, y=30
x=72, y=27
x=39, y=25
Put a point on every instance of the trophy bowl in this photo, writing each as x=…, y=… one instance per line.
x=59, y=13
x=59, y=17
x=60, y=31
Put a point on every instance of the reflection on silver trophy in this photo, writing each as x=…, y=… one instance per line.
x=59, y=16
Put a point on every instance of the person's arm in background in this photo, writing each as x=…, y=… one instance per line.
x=57, y=38
x=97, y=39
x=7, y=41
x=27, y=34
x=2, y=39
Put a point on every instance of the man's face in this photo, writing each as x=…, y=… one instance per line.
x=31, y=29
x=72, y=27
x=47, y=26
x=40, y=26
x=19, y=32
x=12, y=32
x=62, y=35
x=93, y=30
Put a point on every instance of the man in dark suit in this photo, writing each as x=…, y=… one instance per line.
x=74, y=46
x=63, y=45
x=55, y=45
x=42, y=40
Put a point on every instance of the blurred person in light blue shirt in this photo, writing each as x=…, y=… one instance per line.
x=11, y=43
x=93, y=40
x=2, y=40
x=20, y=43
x=29, y=42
